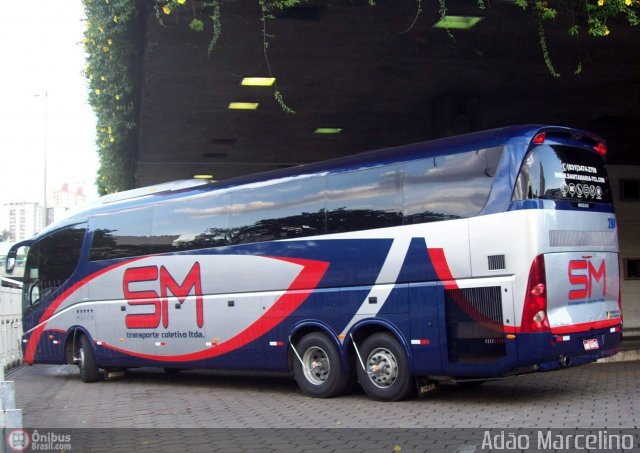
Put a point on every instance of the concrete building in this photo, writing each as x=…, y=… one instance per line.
x=64, y=199
x=67, y=199
x=22, y=219
x=625, y=185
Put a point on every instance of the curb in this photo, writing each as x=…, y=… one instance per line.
x=622, y=356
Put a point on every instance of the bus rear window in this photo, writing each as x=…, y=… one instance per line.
x=558, y=172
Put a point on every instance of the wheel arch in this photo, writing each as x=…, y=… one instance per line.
x=365, y=328
x=72, y=341
x=306, y=327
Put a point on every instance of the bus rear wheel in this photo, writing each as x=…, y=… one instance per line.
x=386, y=375
x=320, y=375
x=89, y=371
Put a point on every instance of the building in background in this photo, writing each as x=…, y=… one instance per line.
x=67, y=199
x=22, y=220
x=64, y=199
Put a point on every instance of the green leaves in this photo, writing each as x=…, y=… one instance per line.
x=544, y=11
x=109, y=46
x=196, y=25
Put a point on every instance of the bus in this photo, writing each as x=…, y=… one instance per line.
x=462, y=259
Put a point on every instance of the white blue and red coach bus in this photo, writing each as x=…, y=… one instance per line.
x=467, y=258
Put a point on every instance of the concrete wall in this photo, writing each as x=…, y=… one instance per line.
x=628, y=216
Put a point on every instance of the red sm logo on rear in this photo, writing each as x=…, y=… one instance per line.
x=583, y=276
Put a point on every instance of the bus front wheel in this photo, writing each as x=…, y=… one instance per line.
x=89, y=371
x=386, y=375
x=318, y=370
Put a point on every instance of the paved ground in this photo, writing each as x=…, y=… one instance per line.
x=597, y=396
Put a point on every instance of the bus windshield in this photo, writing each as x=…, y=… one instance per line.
x=559, y=172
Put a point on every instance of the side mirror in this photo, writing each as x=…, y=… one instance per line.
x=12, y=255
x=10, y=263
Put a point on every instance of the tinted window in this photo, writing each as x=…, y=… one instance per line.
x=280, y=211
x=51, y=262
x=364, y=199
x=449, y=187
x=556, y=172
x=192, y=223
x=124, y=234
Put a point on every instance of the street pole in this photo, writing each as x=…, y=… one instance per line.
x=45, y=136
x=46, y=133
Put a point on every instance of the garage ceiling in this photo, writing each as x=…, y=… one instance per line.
x=355, y=67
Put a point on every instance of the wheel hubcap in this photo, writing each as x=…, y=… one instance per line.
x=382, y=368
x=316, y=365
x=81, y=363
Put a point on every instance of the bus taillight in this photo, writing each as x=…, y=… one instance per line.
x=539, y=138
x=534, y=314
x=601, y=148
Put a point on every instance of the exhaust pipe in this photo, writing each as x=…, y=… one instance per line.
x=564, y=361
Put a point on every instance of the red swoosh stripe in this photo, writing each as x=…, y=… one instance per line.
x=34, y=339
x=439, y=262
x=301, y=287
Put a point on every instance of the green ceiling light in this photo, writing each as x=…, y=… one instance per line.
x=258, y=81
x=243, y=105
x=202, y=176
x=328, y=130
x=457, y=22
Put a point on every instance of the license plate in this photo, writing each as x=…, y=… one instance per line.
x=591, y=344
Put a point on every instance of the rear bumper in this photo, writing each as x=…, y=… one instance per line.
x=548, y=351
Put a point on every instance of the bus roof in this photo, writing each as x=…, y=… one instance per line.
x=450, y=145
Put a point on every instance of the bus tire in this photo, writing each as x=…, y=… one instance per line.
x=89, y=371
x=322, y=375
x=387, y=376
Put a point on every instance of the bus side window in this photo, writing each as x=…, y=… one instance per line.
x=193, y=223
x=449, y=187
x=364, y=199
x=122, y=235
x=282, y=211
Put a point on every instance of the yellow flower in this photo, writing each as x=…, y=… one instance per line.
x=101, y=29
x=109, y=41
x=97, y=91
x=166, y=9
x=182, y=2
x=117, y=97
x=116, y=19
x=600, y=2
x=111, y=139
x=105, y=49
x=103, y=78
x=606, y=31
x=627, y=2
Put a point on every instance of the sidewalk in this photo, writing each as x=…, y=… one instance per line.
x=629, y=350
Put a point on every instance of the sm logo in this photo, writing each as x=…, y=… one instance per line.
x=148, y=280
x=583, y=276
